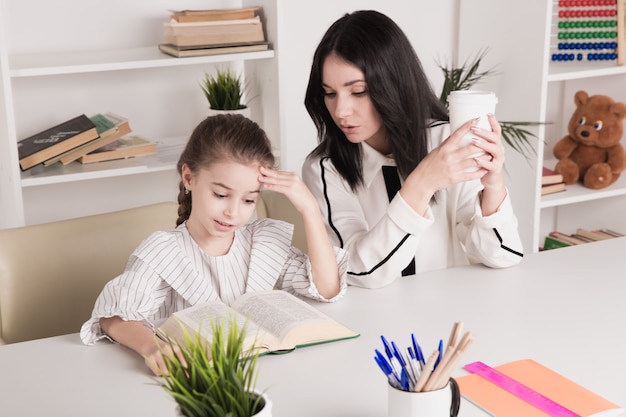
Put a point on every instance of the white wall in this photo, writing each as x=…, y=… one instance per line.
x=67, y=25
x=430, y=26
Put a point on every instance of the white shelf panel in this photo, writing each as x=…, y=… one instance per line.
x=563, y=71
x=168, y=152
x=577, y=193
x=34, y=65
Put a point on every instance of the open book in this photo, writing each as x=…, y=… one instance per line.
x=276, y=322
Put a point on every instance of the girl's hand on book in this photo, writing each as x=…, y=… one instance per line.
x=135, y=335
x=154, y=356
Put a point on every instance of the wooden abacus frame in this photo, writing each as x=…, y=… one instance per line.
x=619, y=21
x=620, y=32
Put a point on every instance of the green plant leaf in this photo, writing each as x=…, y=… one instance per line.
x=224, y=90
x=219, y=378
x=463, y=77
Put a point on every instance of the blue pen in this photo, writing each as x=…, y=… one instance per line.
x=388, y=364
x=402, y=361
x=440, y=348
x=414, y=365
x=419, y=355
x=387, y=346
x=404, y=381
x=395, y=363
x=397, y=354
x=382, y=358
x=409, y=350
x=386, y=368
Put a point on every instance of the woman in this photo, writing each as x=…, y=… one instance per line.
x=375, y=111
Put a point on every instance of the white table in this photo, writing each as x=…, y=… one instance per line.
x=564, y=308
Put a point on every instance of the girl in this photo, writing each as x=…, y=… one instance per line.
x=382, y=129
x=215, y=253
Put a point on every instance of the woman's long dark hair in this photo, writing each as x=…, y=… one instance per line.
x=397, y=86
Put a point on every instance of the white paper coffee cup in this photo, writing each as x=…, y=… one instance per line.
x=464, y=105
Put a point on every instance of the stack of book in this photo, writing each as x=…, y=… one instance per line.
x=559, y=240
x=83, y=139
x=551, y=182
x=212, y=32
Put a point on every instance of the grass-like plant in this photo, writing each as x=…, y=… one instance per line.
x=219, y=377
x=224, y=90
x=464, y=77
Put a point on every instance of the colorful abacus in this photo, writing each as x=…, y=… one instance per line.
x=589, y=29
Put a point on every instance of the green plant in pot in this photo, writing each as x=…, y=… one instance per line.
x=217, y=378
x=224, y=90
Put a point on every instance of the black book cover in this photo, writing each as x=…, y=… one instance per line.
x=53, y=136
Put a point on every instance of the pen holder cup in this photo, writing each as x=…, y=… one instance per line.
x=443, y=402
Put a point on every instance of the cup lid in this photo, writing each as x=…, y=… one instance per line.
x=473, y=96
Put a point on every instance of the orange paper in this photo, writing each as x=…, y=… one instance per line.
x=537, y=377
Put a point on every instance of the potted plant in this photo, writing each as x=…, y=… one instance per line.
x=217, y=378
x=225, y=91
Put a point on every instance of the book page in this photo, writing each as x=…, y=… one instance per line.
x=290, y=319
x=201, y=318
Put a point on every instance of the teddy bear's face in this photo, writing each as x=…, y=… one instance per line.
x=597, y=121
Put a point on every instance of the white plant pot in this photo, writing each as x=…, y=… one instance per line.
x=245, y=111
x=265, y=412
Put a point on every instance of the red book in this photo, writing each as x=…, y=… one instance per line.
x=550, y=176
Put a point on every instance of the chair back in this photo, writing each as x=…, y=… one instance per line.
x=51, y=274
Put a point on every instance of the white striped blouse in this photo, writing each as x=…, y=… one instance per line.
x=169, y=272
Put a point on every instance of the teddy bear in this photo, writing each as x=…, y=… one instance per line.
x=592, y=152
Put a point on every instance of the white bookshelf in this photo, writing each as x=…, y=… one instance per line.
x=39, y=65
x=45, y=82
x=531, y=87
x=168, y=151
x=48, y=74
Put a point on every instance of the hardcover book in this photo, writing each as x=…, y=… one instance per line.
x=563, y=237
x=204, y=50
x=553, y=243
x=54, y=141
x=124, y=147
x=552, y=188
x=276, y=322
x=194, y=34
x=223, y=38
x=250, y=24
x=550, y=176
x=593, y=235
x=213, y=14
x=110, y=127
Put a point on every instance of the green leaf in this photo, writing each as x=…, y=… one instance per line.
x=219, y=378
x=464, y=77
x=224, y=90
